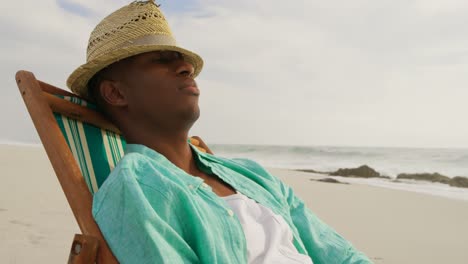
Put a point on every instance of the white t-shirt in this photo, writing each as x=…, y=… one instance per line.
x=269, y=238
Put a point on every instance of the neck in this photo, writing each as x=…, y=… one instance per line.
x=173, y=146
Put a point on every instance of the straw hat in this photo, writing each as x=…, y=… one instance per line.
x=133, y=29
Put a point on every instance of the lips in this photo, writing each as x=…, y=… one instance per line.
x=191, y=88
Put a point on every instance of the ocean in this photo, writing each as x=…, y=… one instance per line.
x=387, y=161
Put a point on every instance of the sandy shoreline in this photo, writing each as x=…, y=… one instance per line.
x=390, y=226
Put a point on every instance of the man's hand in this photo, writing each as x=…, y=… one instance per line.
x=198, y=142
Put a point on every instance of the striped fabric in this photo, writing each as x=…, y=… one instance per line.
x=96, y=151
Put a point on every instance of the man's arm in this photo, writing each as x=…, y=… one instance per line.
x=324, y=245
x=134, y=231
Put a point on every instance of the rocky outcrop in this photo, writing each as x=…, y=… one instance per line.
x=363, y=171
x=436, y=177
x=431, y=177
x=459, y=182
x=331, y=180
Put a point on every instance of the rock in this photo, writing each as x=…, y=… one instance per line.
x=459, y=182
x=431, y=177
x=331, y=180
x=314, y=171
x=436, y=177
x=362, y=172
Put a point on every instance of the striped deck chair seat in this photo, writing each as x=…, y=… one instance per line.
x=96, y=150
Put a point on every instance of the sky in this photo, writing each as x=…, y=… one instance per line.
x=339, y=73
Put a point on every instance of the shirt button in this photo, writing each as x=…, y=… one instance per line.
x=190, y=186
x=205, y=185
x=230, y=212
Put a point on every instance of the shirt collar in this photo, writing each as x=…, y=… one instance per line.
x=162, y=160
x=142, y=149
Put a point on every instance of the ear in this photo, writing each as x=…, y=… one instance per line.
x=112, y=94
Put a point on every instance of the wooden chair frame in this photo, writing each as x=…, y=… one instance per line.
x=90, y=247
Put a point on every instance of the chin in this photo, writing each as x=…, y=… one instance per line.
x=190, y=115
x=196, y=114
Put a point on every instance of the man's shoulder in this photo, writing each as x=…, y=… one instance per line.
x=133, y=167
x=138, y=165
x=132, y=160
x=250, y=164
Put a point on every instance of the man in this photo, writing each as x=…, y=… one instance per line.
x=167, y=202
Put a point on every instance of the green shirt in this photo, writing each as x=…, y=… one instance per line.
x=151, y=211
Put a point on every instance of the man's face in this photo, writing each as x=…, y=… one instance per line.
x=159, y=89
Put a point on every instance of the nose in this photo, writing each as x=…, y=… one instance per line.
x=185, y=68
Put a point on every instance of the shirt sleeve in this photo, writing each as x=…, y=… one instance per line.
x=133, y=230
x=323, y=243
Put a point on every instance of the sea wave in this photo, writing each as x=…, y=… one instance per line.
x=388, y=161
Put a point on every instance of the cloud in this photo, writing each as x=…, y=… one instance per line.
x=365, y=72
x=75, y=8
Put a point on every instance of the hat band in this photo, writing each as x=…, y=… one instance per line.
x=149, y=40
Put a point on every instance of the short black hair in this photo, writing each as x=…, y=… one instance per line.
x=94, y=92
x=107, y=73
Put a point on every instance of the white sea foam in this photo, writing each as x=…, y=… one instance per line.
x=22, y=144
x=437, y=189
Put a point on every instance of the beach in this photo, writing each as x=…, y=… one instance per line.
x=389, y=226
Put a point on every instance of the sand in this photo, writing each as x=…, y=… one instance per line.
x=390, y=226
x=36, y=224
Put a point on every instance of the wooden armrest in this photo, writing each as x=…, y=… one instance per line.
x=83, y=250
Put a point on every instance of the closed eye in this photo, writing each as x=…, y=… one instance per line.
x=162, y=60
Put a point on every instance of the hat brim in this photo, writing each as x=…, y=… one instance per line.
x=79, y=78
